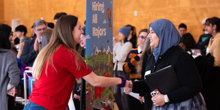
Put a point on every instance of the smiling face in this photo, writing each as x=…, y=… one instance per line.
x=77, y=31
x=154, y=40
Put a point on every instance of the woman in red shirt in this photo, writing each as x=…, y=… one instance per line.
x=58, y=65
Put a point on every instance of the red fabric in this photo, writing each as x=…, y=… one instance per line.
x=52, y=91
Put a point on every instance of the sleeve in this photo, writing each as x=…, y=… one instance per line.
x=140, y=87
x=216, y=53
x=122, y=55
x=71, y=66
x=27, y=55
x=188, y=77
x=130, y=62
x=114, y=52
x=13, y=70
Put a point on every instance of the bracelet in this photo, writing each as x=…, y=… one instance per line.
x=165, y=98
x=123, y=82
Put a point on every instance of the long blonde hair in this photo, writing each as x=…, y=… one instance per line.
x=62, y=34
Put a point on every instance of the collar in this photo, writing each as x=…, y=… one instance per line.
x=139, y=49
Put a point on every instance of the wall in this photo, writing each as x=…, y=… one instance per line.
x=190, y=12
x=30, y=10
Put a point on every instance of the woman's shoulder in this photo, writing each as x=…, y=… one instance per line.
x=7, y=54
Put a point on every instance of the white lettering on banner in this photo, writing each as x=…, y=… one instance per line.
x=98, y=31
x=98, y=6
x=95, y=19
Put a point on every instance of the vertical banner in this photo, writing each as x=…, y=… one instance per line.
x=99, y=52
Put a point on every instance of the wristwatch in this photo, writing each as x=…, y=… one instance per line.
x=166, y=99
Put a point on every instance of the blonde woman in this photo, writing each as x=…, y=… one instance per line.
x=58, y=65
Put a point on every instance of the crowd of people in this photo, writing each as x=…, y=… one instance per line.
x=55, y=54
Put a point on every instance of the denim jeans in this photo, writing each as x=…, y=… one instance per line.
x=33, y=106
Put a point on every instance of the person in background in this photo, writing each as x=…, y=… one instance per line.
x=182, y=29
x=9, y=71
x=204, y=39
x=20, y=33
x=31, y=47
x=212, y=83
x=130, y=66
x=120, y=51
x=58, y=65
x=164, y=38
x=132, y=36
x=57, y=16
x=188, y=43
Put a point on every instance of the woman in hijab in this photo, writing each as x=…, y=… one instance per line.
x=164, y=38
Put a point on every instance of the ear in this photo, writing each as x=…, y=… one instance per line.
x=34, y=30
x=214, y=27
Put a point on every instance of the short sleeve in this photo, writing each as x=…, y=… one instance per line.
x=71, y=66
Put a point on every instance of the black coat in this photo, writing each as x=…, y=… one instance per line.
x=211, y=81
x=185, y=68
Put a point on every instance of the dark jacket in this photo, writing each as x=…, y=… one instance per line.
x=29, y=54
x=211, y=81
x=186, y=71
x=203, y=41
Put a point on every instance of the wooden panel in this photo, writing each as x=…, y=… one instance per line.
x=30, y=10
x=190, y=12
x=1, y=11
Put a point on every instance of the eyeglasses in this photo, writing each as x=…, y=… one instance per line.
x=41, y=29
x=142, y=37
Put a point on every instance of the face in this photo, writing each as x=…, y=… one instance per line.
x=182, y=31
x=77, y=31
x=11, y=38
x=18, y=34
x=154, y=40
x=121, y=36
x=38, y=30
x=210, y=28
x=83, y=40
x=141, y=39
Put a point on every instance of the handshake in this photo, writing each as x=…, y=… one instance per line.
x=158, y=99
x=128, y=87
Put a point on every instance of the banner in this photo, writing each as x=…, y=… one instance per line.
x=99, y=52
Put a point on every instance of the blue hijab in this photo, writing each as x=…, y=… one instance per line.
x=167, y=34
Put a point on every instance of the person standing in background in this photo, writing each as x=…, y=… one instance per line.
x=204, y=39
x=182, y=29
x=9, y=71
x=120, y=51
x=32, y=46
x=212, y=81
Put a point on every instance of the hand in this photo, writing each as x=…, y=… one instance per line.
x=36, y=45
x=76, y=96
x=158, y=100
x=141, y=99
x=29, y=68
x=128, y=87
x=21, y=46
x=140, y=54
